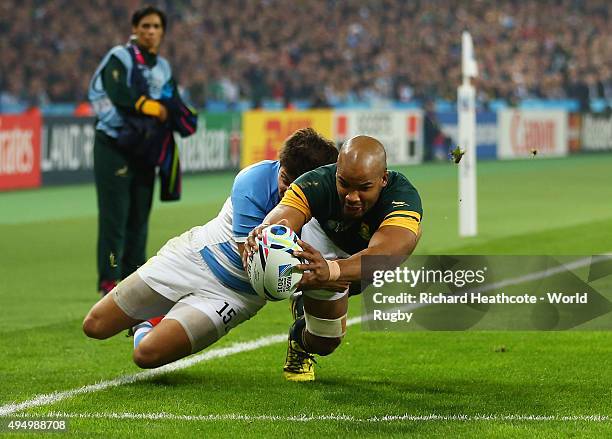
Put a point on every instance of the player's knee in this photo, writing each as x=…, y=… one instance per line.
x=94, y=327
x=147, y=357
x=325, y=334
x=325, y=346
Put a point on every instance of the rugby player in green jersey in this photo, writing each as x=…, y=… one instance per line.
x=344, y=211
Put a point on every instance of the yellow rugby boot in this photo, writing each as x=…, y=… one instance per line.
x=299, y=364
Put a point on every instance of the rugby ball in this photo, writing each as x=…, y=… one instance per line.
x=271, y=269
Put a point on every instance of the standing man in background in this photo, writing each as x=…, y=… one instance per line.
x=130, y=90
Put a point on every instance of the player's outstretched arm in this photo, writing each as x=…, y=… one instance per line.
x=388, y=241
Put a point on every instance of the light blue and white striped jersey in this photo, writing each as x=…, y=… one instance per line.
x=254, y=194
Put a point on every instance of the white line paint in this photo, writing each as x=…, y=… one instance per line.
x=236, y=348
x=314, y=418
x=54, y=397
x=551, y=271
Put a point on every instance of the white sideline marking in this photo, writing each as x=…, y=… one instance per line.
x=537, y=275
x=236, y=348
x=311, y=418
x=51, y=398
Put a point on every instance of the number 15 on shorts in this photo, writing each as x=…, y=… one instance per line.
x=226, y=313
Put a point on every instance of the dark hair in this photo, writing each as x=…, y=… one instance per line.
x=306, y=150
x=148, y=10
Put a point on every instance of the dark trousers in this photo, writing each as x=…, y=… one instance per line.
x=125, y=194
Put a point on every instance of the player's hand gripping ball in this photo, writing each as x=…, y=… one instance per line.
x=271, y=269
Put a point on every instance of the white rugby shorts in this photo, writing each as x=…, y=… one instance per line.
x=179, y=274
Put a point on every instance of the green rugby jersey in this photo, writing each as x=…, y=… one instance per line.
x=315, y=195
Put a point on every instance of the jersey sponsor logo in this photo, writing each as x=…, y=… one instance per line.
x=364, y=231
x=112, y=260
x=399, y=203
x=335, y=226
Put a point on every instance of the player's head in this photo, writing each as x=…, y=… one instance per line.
x=361, y=175
x=149, y=26
x=303, y=151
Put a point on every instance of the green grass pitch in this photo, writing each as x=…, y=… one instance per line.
x=534, y=206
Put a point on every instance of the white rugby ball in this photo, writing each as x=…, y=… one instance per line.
x=271, y=269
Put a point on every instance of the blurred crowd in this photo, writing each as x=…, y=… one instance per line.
x=325, y=52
